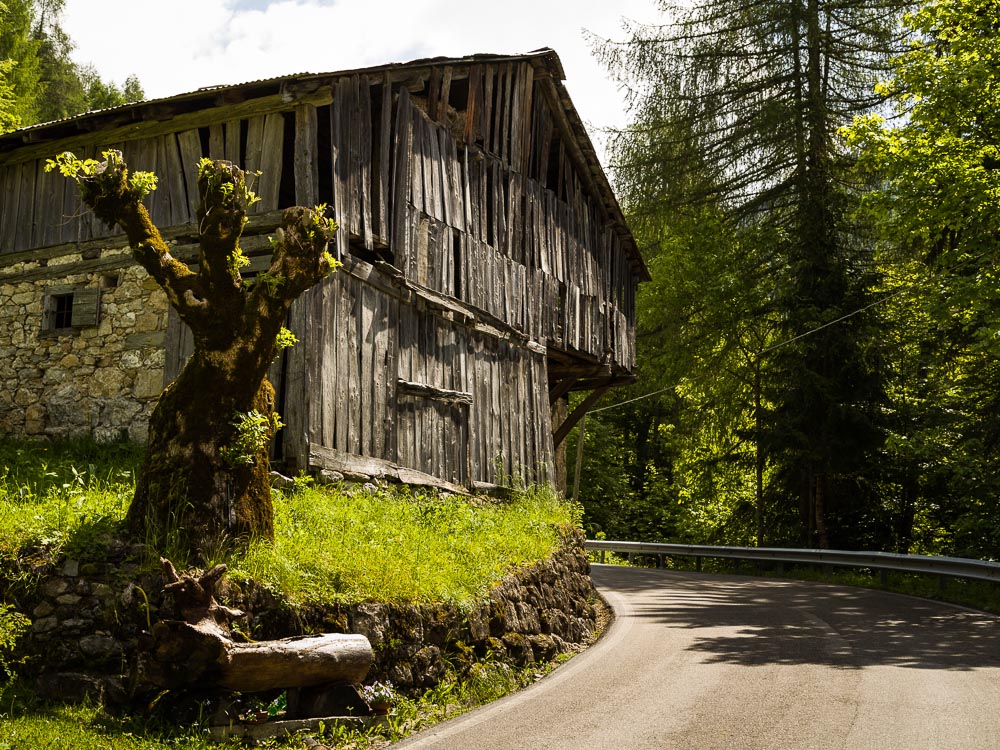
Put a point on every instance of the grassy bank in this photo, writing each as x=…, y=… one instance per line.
x=335, y=543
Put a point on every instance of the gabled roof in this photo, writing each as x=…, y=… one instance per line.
x=547, y=67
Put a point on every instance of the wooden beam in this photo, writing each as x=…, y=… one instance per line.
x=561, y=388
x=431, y=392
x=592, y=398
x=321, y=457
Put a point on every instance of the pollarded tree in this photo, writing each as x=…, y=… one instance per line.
x=205, y=478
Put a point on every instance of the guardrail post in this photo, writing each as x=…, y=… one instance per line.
x=883, y=576
x=942, y=583
x=736, y=565
x=659, y=561
x=602, y=557
x=697, y=563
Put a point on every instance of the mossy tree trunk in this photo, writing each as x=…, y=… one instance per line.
x=205, y=478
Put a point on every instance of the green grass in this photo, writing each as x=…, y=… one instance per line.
x=332, y=544
x=55, y=494
x=399, y=545
x=33, y=726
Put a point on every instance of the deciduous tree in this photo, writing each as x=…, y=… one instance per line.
x=938, y=163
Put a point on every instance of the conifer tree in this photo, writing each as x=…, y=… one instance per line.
x=761, y=89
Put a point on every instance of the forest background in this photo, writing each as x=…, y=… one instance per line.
x=814, y=185
x=39, y=81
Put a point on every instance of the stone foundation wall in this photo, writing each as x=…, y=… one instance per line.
x=98, y=381
x=87, y=617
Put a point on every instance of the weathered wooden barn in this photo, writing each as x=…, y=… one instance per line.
x=488, y=270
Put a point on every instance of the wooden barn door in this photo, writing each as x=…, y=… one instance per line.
x=340, y=377
x=433, y=401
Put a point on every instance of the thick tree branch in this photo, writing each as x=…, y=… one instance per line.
x=116, y=197
x=222, y=211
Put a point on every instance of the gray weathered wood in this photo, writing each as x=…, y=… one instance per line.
x=507, y=262
x=305, y=166
x=271, y=157
x=366, y=466
x=300, y=661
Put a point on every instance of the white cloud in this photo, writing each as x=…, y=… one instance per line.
x=181, y=45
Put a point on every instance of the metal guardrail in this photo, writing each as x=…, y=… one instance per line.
x=953, y=567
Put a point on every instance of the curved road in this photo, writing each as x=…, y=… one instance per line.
x=700, y=662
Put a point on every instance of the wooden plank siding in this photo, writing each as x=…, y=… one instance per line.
x=474, y=244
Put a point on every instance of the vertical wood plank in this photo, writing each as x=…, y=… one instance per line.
x=296, y=444
x=48, y=206
x=272, y=152
x=175, y=179
x=340, y=151
x=10, y=176
x=514, y=116
x=306, y=177
x=527, y=90
x=442, y=112
x=253, y=161
x=433, y=92
x=331, y=327
x=349, y=138
x=430, y=159
x=365, y=160
x=344, y=332
x=503, y=152
x=383, y=199
x=368, y=379
x=234, y=145
x=217, y=141
x=473, y=106
x=401, y=180
x=72, y=213
x=24, y=230
x=354, y=370
x=380, y=369
x=315, y=365
x=190, y=149
x=444, y=176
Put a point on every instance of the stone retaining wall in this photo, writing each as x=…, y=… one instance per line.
x=88, y=615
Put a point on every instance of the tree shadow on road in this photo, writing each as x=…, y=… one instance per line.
x=757, y=621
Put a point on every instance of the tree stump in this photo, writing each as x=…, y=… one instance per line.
x=200, y=650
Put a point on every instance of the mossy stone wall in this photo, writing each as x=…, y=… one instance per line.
x=88, y=616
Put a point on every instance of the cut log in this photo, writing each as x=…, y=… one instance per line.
x=200, y=650
x=296, y=662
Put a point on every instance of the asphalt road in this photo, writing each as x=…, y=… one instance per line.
x=706, y=662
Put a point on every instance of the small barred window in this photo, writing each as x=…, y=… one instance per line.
x=67, y=308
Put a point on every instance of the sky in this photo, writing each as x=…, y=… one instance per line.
x=178, y=46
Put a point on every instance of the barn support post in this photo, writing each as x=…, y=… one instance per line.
x=579, y=458
x=577, y=414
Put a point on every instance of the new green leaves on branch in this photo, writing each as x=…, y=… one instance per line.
x=84, y=171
